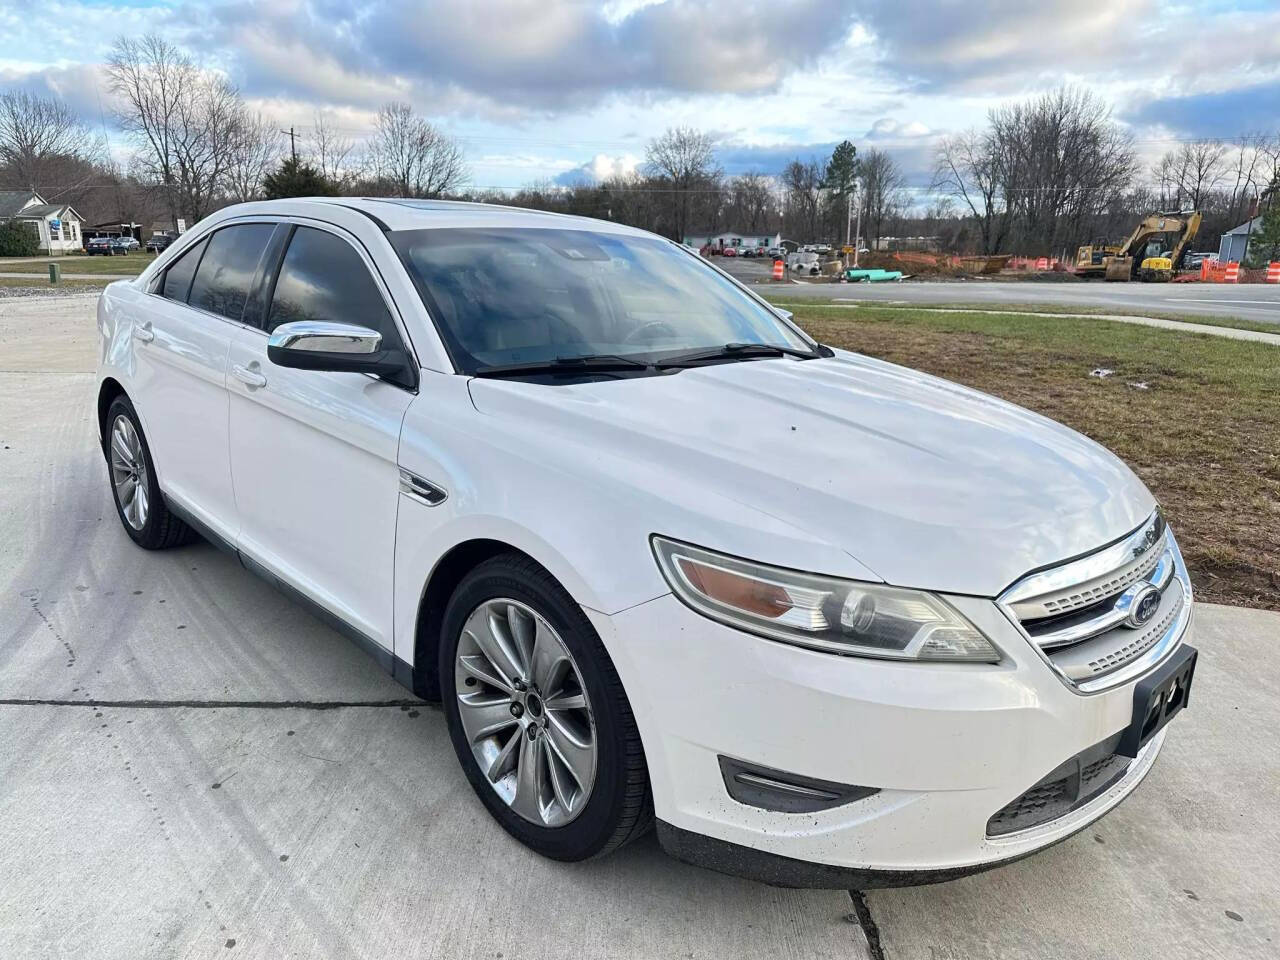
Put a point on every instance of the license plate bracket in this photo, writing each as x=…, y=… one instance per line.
x=1158, y=698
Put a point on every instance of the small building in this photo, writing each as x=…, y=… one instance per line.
x=116, y=228
x=56, y=225
x=732, y=238
x=1232, y=246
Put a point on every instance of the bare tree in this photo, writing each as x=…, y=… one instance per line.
x=965, y=167
x=36, y=135
x=683, y=161
x=750, y=202
x=255, y=153
x=185, y=121
x=332, y=154
x=413, y=157
x=882, y=183
x=1200, y=169
x=803, y=185
x=1060, y=161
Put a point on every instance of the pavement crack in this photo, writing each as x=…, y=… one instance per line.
x=207, y=704
x=867, y=923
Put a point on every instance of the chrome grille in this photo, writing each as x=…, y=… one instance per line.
x=1081, y=613
x=1084, y=596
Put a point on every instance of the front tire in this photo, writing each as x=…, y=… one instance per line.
x=538, y=716
x=139, y=503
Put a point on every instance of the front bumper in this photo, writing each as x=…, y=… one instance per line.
x=945, y=745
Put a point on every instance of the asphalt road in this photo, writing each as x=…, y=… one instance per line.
x=1256, y=301
x=179, y=777
x=1259, y=302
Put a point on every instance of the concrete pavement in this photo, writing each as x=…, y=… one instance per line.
x=177, y=779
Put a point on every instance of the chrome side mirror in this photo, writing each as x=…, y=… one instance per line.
x=319, y=336
x=784, y=314
x=338, y=347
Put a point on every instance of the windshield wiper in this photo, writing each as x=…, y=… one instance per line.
x=592, y=363
x=733, y=351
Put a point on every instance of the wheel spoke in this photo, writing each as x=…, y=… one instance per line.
x=140, y=500
x=120, y=446
x=567, y=701
x=505, y=761
x=577, y=754
x=564, y=792
x=489, y=647
x=550, y=662
x=522, y=627
x=483, y=717
x=527, y=800
x=480, y=668
x=498, y=647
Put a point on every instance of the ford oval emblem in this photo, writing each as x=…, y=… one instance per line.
x=1143, y=606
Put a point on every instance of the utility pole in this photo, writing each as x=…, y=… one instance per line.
x=857, y=236
x=293, y=145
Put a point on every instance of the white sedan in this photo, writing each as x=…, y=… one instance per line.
x=661, y=555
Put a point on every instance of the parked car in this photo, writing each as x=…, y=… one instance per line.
x=98, y=245
x=777, y=252
x=660, y=555
x=1192, y=261
x=729, y=252
x=124, y=245
x=159, y=242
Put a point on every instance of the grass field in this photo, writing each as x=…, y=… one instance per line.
x=1051, y=310
x=1204, y=434
x=132, y=264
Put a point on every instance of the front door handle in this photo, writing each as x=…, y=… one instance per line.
x=247, y=376
x=144, y=333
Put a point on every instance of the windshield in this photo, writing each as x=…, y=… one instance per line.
x=527, y=295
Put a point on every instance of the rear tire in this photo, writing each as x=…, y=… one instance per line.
x=534, y=612
x=140, y=505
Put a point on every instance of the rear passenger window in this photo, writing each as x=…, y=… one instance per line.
x=323, y=278
x=227, y=270
x=177, y=278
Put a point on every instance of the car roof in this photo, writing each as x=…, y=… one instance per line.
x=398, y=213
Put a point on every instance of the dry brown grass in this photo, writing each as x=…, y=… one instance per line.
x=1204, y=435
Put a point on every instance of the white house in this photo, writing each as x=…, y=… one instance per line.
x=57, y=225
x=733, y=238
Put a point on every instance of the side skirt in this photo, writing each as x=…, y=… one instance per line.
x=401, y=671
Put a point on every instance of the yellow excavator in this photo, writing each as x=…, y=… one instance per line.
x=1151, y=254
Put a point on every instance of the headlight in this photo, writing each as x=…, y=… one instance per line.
x=839, y=616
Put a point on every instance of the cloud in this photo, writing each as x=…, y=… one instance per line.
x=599, y=168
x=886, y=128
x=1224, y=113
x=527, y=53
x=1006, y=48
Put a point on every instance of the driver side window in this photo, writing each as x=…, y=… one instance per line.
x=323, y=278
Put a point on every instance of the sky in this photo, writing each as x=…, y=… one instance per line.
x=559, y=90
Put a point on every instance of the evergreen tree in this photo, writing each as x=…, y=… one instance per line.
x=1264, y=245
x=296, y=179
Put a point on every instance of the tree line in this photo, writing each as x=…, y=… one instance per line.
x=1056, y=171
x=1042, y=176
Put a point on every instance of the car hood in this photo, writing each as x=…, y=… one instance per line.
x=924, y=482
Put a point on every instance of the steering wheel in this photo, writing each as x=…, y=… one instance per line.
x=639, y=332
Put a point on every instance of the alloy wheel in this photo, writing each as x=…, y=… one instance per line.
x=525, y=712
x=129, y=472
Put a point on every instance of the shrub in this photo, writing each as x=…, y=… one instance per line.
x=18, y=240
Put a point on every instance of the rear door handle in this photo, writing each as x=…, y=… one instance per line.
x=248, y=377
x=144, y=333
